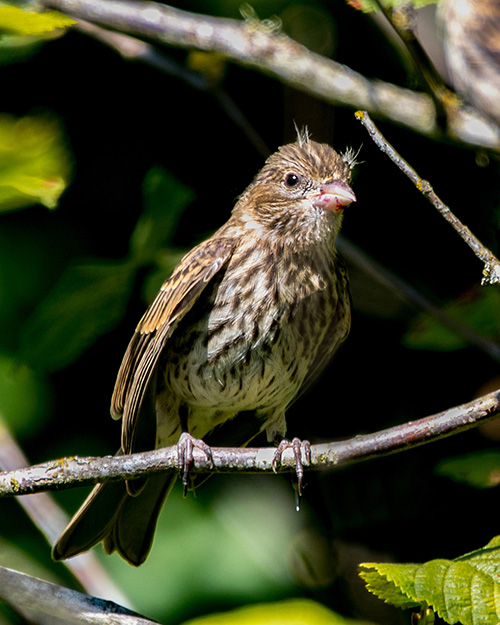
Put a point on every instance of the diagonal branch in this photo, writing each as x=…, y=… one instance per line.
x=78, y=471
x=256, y=45
x=44, y=602
x=491, y=270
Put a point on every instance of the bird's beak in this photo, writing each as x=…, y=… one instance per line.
x=334, y=196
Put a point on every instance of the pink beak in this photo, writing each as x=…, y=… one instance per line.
x=334, y=196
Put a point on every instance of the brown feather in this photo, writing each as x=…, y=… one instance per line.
x=175, y=298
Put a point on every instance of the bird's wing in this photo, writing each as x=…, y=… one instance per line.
x=338, y=328
x=175, y=298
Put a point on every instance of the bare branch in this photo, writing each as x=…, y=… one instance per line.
x=69, y=472
x=254, y=44
x=45, y=603
x=491, y=271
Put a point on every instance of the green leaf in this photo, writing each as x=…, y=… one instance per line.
x=290, y=612
x=479, y=469
x=16, y=21
x=88, y=301
x=34, y=162
x=165, y=199
x=478, y=310
x=465, y=590
x=393, y=583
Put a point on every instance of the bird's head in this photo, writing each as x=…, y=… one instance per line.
x=301, y=191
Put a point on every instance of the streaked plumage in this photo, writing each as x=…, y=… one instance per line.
x=246, y=321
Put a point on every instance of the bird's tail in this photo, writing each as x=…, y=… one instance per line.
x=124, y=523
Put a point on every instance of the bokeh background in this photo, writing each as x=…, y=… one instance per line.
x=75, y=280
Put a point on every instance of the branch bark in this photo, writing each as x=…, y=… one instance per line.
x=256, y=45
x=46, y=603
x=78, y=471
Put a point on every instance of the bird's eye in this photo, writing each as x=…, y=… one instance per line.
x=291, y=180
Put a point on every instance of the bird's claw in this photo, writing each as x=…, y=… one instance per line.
x=296, y=445
x=185, y=458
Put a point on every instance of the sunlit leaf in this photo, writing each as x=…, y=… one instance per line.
x=465, y=590
x=16, y=21
x=478, y=310
x=88, y=301
x=35, y=163
x=290, y=612
x=479, y=469
x=165, y=199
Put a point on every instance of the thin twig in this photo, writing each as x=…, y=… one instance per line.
x=254, y=45
x=491, y=270
x=69, y=472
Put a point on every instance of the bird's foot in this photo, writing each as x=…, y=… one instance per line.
x=297, y=445
x=185, y=458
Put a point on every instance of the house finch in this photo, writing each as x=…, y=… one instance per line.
x=245, y=323
x=471, y=38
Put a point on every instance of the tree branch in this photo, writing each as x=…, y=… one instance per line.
x=491, y=270
x=254, y=44
x=43, y=602
x=69, y=472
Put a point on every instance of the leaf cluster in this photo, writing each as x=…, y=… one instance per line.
x=465, y=590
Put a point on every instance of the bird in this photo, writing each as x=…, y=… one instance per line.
x=471, y=43
x=244, y=324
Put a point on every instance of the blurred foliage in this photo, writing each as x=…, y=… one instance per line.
x=291, y=612
x=23, y=393
x=22, y=32
x=220, y=549
x=145, y=168
x=34, y=162
x=478, y=469
x=463, y=590
x=88, y=301
x=210, y=64
x=16, y=21
x=91, y=298
x=156, y=227
x=477, y=309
